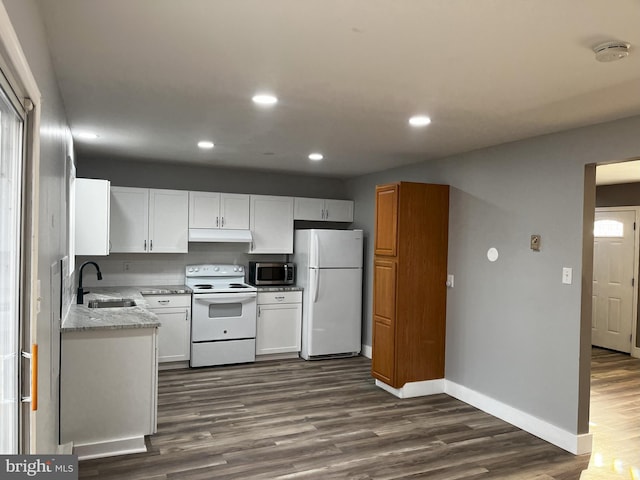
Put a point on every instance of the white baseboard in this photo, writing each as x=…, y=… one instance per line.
x=414, y=389
x=571, y=442
x=65, y=449
x=366, y=351
x=112, y=448
x=577, y=444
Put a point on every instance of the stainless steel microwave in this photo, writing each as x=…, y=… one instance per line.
x=272, y=273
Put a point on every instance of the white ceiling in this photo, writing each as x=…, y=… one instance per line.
x=624, y=172
x=152, y=77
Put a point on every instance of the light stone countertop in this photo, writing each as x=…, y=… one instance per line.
x=286, y=288
x=81, y=317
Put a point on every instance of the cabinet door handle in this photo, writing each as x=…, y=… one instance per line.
x=326, y=214
x=145, y=245
x=150, y=245
x=259, y=311
x=222, y=222
x=164, y=302
x=322, y=215
x=186, y=315
x=217, y=221
x=280, y=298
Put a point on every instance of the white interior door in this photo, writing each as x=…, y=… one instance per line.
x=613, y=279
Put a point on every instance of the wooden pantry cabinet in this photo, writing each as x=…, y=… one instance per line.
x=409, y=282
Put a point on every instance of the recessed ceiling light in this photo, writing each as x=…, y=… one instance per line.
x=205, y=144
x=85, y=135
x=315, y=156
x=264, y=99
x=419, y=121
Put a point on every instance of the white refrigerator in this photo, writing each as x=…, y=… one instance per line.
x=329, y=268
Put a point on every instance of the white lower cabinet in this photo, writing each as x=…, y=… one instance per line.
x=279, y=324
x=174, y=333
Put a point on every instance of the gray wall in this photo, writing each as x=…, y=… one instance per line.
x=513, y=329
x=624, y=194
x=135, y=173
x=55, y=144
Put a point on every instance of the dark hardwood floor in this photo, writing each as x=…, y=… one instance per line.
x=326, y=419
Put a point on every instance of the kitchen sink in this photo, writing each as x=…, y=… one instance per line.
x=112, y=303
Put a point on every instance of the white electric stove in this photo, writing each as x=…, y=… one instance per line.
x=223, y=315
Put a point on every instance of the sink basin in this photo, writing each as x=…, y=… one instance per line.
x=112, y=303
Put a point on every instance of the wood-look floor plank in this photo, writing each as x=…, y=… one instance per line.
x=293, y=419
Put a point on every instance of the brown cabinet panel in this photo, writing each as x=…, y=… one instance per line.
x=409, y=291
x=386, y=220
x=383, y=358
x=384, y=290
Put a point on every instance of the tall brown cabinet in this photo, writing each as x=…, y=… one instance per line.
x=409, y=282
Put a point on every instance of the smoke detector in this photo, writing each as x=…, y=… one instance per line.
x=611, y=51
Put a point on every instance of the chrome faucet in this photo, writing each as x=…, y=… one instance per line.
x=81, y=292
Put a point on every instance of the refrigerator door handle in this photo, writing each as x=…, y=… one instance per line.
x=316, y=284
x=316, y=250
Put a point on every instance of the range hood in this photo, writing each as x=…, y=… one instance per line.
x=219, y=235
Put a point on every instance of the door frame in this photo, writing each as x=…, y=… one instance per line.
x=635, y=351
x=14, y=64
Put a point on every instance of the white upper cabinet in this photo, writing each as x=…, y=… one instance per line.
x=92, y=204
x=308, y=209
x=321, y=210
x=271, y=222
x=168, y=221
x=129, y=219
x=234, y=211
x=204, y=210
x=218, y=210
x=148, y=220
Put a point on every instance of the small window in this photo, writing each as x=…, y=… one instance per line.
x=608, y=228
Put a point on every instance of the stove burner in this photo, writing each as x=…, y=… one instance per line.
x=204, y=286
x=237, y=285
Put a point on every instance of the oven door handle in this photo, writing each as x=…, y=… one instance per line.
x=224, y=298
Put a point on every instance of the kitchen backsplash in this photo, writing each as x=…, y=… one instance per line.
x=123, y=269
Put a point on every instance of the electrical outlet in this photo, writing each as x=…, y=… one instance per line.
x=126, y=266
x=567, y=275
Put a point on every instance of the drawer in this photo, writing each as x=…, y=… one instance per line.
x=162, y=301
x=267, y=298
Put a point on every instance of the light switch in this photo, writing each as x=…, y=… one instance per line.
x=535, y=243
x=450, y=281
x=567, y=275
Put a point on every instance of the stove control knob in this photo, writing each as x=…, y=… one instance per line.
x=235, y=269
x=196, y=269
x=240, y=268
x=215, y=269
x=190, y=270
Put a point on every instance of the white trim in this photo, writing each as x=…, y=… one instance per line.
x=577, y=444
x=415, y=389
x=571, y=442
x=634, y=351
x=17, y=63
x=366, y=351
x=112, y=448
